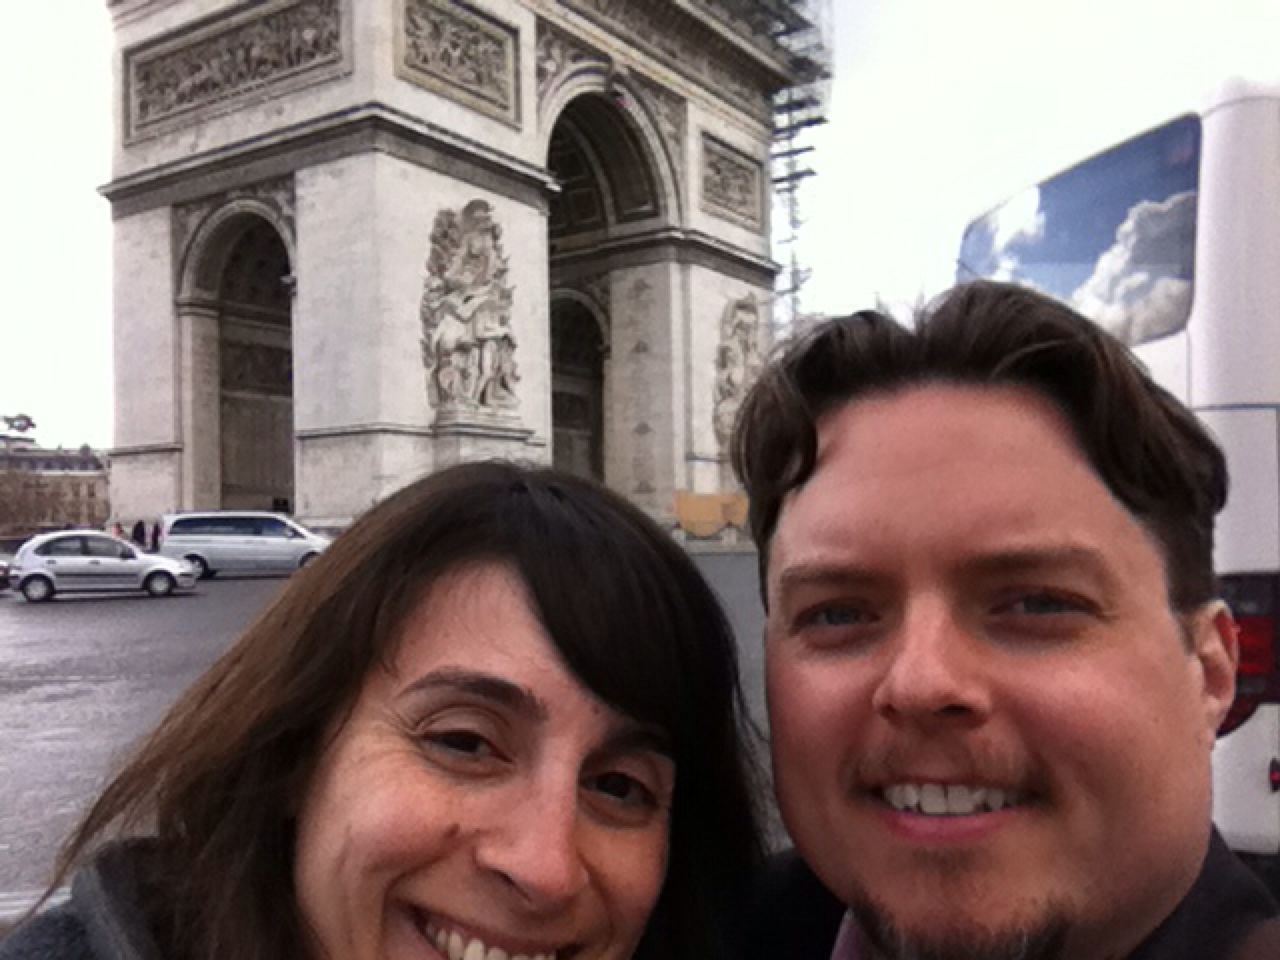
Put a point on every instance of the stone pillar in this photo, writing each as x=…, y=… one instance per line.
x=201, y=400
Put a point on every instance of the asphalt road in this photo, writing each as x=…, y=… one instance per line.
x=82, y=679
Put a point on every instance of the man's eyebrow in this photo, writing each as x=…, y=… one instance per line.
x=483, y=686
x=1002, y=560
x=1039, y=558
x=822, y=573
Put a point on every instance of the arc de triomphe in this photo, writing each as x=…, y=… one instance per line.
x=358, y=240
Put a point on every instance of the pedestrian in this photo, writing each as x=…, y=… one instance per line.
x=995, y=659
x=117, y=530
x=498, y=717
x=153, y=543
x=139, y=535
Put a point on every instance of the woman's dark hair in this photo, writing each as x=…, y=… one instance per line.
x=219, y=779
x=1149, y=449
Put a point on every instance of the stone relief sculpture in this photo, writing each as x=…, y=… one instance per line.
x=466, y=55
x=732, y=183
x=176, y=79
x=649, y=26
x=558, y=53
x=468, y=347
x=737, y=363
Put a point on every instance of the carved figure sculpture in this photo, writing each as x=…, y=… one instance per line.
x=737, y=362
x=468, y=348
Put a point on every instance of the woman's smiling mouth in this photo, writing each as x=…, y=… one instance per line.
x=456, y=943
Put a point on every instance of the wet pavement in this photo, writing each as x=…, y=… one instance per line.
x=80, y=680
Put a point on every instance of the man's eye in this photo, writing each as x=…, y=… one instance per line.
x=1044, y=604
x=835, y=615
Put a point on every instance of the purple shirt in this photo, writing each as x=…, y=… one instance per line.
x=846, y=947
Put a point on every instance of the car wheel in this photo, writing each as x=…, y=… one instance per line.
x=306, y=558
x=201, y=568
x=159, y=584
x=37, y=589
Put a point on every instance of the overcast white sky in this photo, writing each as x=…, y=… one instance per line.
x=940, y=108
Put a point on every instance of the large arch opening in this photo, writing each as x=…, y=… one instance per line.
x=609, y=191
x=577, y=389
x=255, y=369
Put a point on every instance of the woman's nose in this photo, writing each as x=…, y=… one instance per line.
x=535, y=845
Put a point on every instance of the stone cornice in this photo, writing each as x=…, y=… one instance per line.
x=715, y=17
x=671, y=244
x=361, y=129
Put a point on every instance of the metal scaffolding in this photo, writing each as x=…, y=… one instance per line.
x=803, y=28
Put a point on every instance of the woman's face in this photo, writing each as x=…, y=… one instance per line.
x=479, y=803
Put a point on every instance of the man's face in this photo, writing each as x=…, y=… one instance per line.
x=986, y=720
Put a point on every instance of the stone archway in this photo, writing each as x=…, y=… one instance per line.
x=611, y=191
x=235, y=313
x=255, y=367
x=577, y=387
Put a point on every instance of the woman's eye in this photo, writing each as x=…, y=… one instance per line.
x=623, y=788
x=463, y=743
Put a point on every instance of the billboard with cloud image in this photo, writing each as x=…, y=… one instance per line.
x=1113, y=236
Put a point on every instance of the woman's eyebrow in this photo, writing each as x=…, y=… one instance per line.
x=633, y=737
x=483, y=686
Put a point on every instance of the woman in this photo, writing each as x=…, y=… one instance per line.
x=499, y=718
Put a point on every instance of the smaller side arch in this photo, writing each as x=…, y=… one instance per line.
x=590, y=304
x=206, y=253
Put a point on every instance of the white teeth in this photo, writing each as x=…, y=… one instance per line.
x=936, y=800
x=453, y=946
x=933, y=799
x=960, y=800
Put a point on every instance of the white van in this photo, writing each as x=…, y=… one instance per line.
x=1171, y=240
x=239, y=541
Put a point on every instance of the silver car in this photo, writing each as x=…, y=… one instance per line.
x=89, y=560
x=239, y=541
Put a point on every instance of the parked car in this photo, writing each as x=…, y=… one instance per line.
x=89, y=560
x=240, y=541
x=4, y=571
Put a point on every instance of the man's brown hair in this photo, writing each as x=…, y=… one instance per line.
x=1151, y=452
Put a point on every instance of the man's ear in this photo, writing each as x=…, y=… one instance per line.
x=1216, y=647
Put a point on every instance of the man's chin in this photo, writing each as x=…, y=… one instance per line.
x=951, y=938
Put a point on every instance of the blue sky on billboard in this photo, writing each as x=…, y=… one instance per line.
x=939, y=111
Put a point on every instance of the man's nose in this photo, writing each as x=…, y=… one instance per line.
x=934, y=670
x=536, y=845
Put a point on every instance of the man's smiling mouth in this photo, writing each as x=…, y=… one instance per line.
x=949, y=800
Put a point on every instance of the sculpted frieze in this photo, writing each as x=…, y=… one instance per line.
x=732, y=184
x=468, y=347
x=255, y=50
x=559, y=53
x=455, y=50
x=660, y=29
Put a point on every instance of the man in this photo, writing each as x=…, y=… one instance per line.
x=995, y=659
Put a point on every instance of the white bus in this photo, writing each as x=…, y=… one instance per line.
x=1172, y=241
